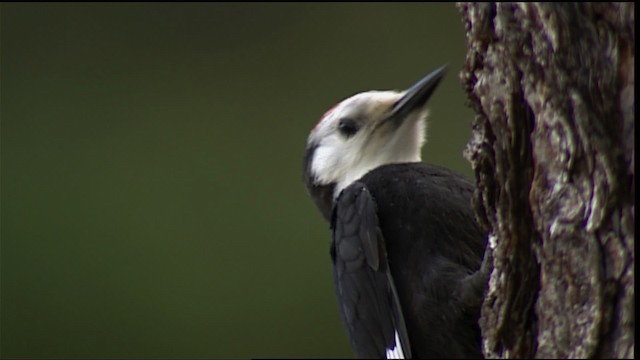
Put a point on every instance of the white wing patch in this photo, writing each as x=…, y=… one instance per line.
x=395, y=352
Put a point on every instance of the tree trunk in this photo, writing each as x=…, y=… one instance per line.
x=553, y=152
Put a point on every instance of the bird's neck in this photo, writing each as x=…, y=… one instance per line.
x=322, y=196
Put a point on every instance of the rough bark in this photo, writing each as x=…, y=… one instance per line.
x=553, y=152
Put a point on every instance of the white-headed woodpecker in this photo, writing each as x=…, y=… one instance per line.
x=406, y=249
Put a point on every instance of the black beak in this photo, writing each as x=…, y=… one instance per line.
x=417, y=95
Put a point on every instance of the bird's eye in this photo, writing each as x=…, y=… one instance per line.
x=348, y=127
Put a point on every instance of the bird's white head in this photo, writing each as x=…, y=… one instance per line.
x=365, y=131
x=354, y=138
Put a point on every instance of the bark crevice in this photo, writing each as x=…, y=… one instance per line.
x=552, y=149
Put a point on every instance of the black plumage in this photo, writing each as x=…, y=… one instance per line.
x=380, y=246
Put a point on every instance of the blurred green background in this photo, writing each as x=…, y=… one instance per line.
x=152, y=201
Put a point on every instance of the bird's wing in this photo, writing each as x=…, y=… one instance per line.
x=365, y=289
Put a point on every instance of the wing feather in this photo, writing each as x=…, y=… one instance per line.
x=367, y=296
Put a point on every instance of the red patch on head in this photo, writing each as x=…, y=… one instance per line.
x=324, y=116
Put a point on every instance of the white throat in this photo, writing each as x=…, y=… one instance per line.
x=362, y=168
x=343, y=163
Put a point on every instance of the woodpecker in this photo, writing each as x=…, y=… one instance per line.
x=407, y=251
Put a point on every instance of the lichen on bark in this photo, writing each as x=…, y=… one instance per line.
x=552, y=149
